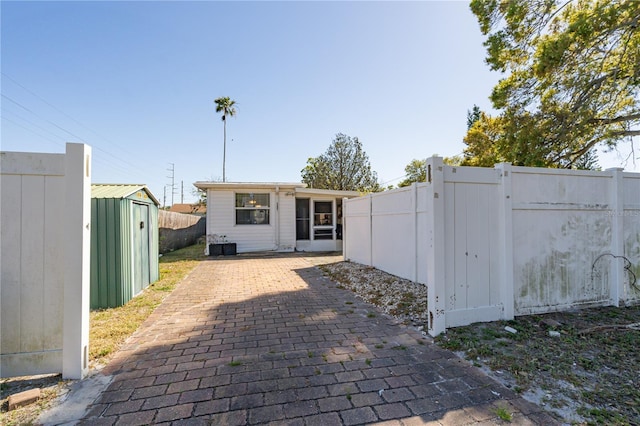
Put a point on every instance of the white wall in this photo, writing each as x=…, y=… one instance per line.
x=494, y=243
x=221, y=220
x=287, y=224
x=44, y=213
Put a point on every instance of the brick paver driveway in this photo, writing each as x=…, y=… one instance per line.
x=268, y=339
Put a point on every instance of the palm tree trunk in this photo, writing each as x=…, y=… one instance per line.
x=224, y=150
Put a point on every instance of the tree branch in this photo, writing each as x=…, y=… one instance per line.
x=618, y=119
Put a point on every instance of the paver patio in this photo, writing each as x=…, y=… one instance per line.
x=269, y=339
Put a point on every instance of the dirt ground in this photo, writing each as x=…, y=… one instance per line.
x=51, y=386
x=582, y=365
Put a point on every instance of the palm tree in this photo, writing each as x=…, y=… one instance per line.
x=226, y=106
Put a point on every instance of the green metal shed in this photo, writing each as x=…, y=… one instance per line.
x=124, y=243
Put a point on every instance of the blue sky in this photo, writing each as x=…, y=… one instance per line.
x=137, y=80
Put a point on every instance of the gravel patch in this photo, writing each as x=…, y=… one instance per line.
x=402, y=299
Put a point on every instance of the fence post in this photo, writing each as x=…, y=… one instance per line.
x=75, y=334
x=505, y=228
x=616, y=283
x=414, y=205
x=370, y=263
x=345, y=247
x=435, y=252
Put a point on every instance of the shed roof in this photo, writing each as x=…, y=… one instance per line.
x=119, y=190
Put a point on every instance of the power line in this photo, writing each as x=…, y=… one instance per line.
x=62, y=112
x=32, y=131
x=80, y=139
x=62, y=144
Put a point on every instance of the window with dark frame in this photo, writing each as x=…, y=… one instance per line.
x=303, y=219
x=323, y=213
x=323, y=220
x=252, y=209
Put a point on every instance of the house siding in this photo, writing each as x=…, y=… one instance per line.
x=287, y=225
x=248, y=238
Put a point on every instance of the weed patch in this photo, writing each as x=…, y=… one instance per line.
x=589, y=365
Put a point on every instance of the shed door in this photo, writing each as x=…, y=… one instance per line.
x=141, y=265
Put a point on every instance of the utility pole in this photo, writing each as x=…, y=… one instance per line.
x=172, y=177
x=181, y=192
x=164, y=201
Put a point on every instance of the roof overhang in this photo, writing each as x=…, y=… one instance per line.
x=327, y=193
x=222, y=186
x=298, y=188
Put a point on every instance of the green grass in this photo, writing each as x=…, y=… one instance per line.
x=503, y=414
x=109, y=328
x=399, y=348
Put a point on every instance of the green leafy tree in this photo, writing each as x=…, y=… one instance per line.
x=416, y=171
x=456, y=160
x=473, y=115
x=227, y=107
x=344, y=166
x=572, y=80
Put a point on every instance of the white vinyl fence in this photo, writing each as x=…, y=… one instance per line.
x=45, y=212
x=494, y=243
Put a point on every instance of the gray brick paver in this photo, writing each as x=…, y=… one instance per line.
x=247, y=401
x=160, y=401
x=392, y=411
x=335, y=403
x=119, y=408
x=195, y=395
x=137, y=418
x=183, y=385
x=306, y=357
x=357, y=416
x=175, y=412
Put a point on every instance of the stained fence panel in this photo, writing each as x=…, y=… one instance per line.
x=511, y=240
x=631, y=223
x=562, y=240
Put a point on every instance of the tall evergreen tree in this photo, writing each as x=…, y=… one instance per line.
x=344, y=166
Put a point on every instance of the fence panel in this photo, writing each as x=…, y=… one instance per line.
x=422, y=230
x=631, y=220
x=472, y=288
x=393, y=216
x=491, y=243
x=561, y=232
x=357, y=229
x=44, y=250
x=178, y=230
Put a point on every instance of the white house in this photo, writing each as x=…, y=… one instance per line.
x=274, y=216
